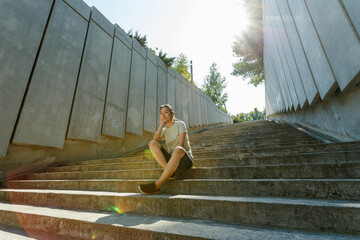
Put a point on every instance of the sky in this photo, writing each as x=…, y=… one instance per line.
x=203, y=30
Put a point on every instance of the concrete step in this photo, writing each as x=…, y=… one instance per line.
x=336, y=157
x=260, y=151
x=13, y=233
x=76, y=224
x=338, y=189
x=286, y=171
x=231, y=152
x=250, y=144
x=307, y=214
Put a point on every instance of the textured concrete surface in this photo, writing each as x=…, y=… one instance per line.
x=340, y=42
x=307, y=214
x=118, y=86
x=184, y=92
x=299, y=55
x=88, y=107
x=352, y=8
x=161, y=88
x=323, y=76
x=191, y=103
x=45, y=114
x=21, y=34
x=135, y=111
x=274, y=64
x=163, y=227
x=289, y=56
x=150, y=107
x=171, y=89
x=287, y=80
x=178, y=99
x=340, y=114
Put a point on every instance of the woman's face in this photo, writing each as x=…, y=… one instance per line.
x=166, y=115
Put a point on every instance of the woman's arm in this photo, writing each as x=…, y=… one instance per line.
x=157, y=135
x=182, y=139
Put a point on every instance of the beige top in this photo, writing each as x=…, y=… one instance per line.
x=172, y=135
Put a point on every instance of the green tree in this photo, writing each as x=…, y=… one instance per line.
x=214, y=86
x=141, y=39
x=249, y=46
x=182, y=66
x=257, y=115
x=246, y=117
x=167, y=60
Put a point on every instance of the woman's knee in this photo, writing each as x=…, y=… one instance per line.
x=153, y=143
x=179, y=151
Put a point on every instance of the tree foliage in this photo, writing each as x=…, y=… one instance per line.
x=246, y=117
x=249, y=46
x=167, y=60
x=214, y=86
x=143, y=41
x=182, y=66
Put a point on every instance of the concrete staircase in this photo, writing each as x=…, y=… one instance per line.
x=256, y=180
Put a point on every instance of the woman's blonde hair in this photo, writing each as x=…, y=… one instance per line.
x=168, y=106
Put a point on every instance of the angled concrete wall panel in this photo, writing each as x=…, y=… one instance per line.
x=88, y=107
x=289, y=57
x=45, y=115
x=171, y=87
x=341, y=44
x=162, y=89
x=288, y=81
x=135, y=114
x=184, y=92
x=353, y=9
x=299, y=55
x=150, y=108
x=178, y=100
x=190, y=105
x=322, y=72
x=118, y=87
x=22, y=26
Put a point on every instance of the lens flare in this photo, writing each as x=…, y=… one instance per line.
x=113, y=208
x=148, y=153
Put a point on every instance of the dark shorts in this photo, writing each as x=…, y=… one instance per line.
x=185, y=162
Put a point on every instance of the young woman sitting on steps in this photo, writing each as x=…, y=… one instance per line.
x=178, y=153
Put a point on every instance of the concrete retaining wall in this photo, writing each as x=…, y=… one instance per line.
x=312, y=67
x=74, y=86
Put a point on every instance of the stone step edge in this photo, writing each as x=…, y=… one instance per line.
x=206, y=168
x=197, y=180
x=218, y=208
x=86, y=224
x=152, y=160
x=338, y=204
x=124, y=161
x=204, y=229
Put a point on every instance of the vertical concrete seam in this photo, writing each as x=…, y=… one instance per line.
x=78, y=75
x=107, y=83
x=144, y=101
x=128, y=90
x=32, y=73
x=335, y=85
x=349, y=19
x=302, y=47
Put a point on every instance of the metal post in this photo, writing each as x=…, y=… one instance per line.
x=191, y=71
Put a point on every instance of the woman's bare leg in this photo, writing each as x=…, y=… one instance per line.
x=155, y=149
x=171, y=166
